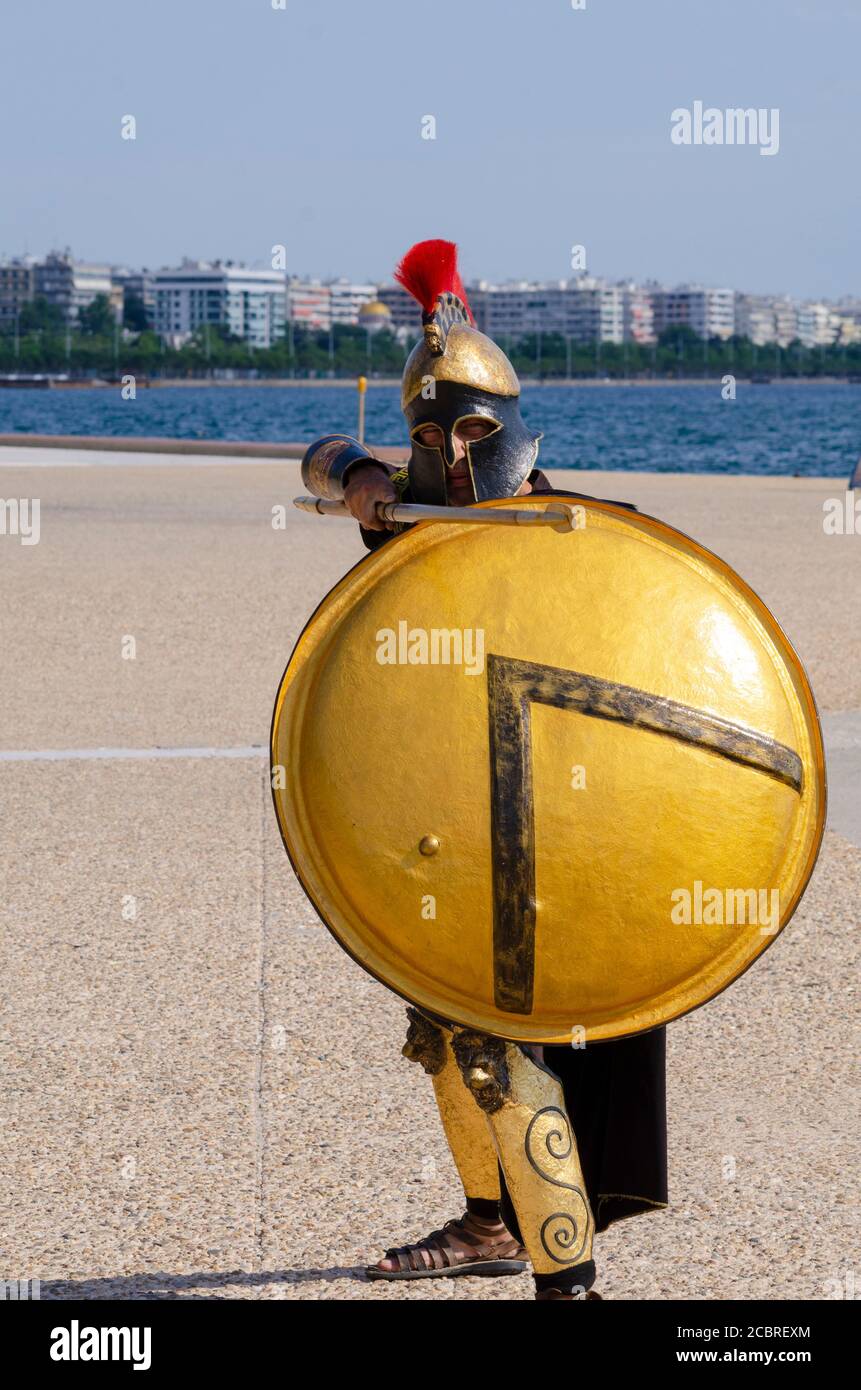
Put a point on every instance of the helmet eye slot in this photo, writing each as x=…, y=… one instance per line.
x=471, y=428
x=429, y=435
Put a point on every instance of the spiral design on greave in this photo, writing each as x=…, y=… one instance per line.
x=553, y=1135
x=562, y=1236
x=549, y=1141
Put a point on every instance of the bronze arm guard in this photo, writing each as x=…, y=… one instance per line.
x=327, y=462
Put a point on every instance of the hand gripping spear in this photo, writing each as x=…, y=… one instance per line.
x=559, y=515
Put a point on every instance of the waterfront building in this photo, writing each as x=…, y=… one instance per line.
x=17, y=288
x=55, y=282
x=754, y=318
x=586, y=309
x=766, y=319
x=818, y=325
x=89, y=282
x=251, y=304
x=594, y=312
x=849, y=308
x=638, y=314
x=139, y=284
x=517, y=309
x=347, y=300
x=318, y=304
x=848, y=329
x=785, y=321
x=73, y=285
x=710, y=313
x=309, y=304
x=404, y=310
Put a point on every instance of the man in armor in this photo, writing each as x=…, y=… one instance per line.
x=552, y=1143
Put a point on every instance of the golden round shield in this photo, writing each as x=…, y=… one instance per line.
x=550, y=785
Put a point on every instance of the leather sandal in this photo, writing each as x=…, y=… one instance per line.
x=488, y=1257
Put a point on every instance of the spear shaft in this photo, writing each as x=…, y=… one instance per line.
x=556, y=514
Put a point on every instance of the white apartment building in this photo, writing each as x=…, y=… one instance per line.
x=638, y=314
x=710, y=313
x=818, y=325
x=594, y=311
x=250, y=303
x=585, y=310
x=754, y=318
x=848, y=328
x=73, y=285
x=346, y=300
x=766, y=319
x=309, y=304
x=849, y=308
x=90, y=281
x=511, y=311
x=785, y=321
x=318, y=304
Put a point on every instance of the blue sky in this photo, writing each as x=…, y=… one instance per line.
x=302, y=126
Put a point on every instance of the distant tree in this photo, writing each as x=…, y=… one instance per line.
x=679, y=335
x=134, y=314
x=144, y=352
x=215, y=333
x=97, y=319
x=40, y=316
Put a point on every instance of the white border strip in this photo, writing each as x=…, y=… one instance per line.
x=59, y=755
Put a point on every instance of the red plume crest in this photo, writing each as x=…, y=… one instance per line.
x=428, y=270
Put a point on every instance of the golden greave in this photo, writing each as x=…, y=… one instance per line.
x=524, y=1106
x=465, y=1127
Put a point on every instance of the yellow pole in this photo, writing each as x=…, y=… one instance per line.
x=363, y=386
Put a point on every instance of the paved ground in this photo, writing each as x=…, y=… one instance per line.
x=202, y=1096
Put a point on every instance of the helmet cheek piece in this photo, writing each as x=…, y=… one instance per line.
x=501, y=462
x=429, y=467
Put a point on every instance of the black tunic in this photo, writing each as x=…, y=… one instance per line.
x=615, y=1092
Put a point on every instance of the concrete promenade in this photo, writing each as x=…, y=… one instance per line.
x=203, y=1097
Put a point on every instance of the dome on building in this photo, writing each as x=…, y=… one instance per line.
x=375, y=315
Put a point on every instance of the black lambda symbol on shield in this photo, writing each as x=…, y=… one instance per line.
x=513, y=685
